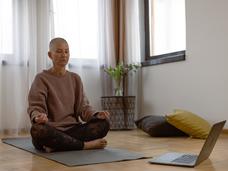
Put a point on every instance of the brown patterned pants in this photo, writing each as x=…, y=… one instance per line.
x=72, y=139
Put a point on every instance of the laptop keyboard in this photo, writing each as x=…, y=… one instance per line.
x=185, y=159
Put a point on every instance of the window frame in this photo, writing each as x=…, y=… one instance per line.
x=157, y=59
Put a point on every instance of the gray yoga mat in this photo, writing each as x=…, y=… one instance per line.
x=76, y=158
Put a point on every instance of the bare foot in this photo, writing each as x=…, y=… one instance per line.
x=95, y=144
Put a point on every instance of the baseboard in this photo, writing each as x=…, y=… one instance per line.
x=225, y=131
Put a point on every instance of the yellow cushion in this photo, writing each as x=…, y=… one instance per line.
x=189, y=123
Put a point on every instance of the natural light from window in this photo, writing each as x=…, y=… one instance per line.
x=77, y=22
x=167, y=26
x=6, y=27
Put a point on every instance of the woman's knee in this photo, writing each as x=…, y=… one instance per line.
x=38, y=130
x=104, y=126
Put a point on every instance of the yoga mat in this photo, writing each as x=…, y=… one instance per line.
x=76, y=158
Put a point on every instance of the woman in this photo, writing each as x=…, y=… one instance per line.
x=57, y=103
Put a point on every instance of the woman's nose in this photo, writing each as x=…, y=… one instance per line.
x=64, y=54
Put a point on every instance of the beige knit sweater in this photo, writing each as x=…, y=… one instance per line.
x=61, y=97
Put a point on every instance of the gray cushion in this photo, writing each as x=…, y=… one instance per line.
x=157, y=126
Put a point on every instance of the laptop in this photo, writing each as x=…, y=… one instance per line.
x=191, y=160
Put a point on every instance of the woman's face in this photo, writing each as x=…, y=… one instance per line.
x=59, y=54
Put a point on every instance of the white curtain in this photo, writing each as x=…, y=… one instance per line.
x=30, y=36
x=107, y=51
x=134, y=45
x=132, y=42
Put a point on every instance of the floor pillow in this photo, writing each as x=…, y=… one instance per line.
x=157, y=126
x=190, y=123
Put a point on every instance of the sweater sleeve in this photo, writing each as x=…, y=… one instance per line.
x=37, y=98
x=83, y=108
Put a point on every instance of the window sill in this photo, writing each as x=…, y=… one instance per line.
x=166, y=58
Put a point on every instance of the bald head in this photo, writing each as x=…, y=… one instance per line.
x=55, y=41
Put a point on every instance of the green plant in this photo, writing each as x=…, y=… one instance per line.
x=119, y=73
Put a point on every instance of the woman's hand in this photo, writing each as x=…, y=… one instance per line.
x=103, y=115
x=41, y=118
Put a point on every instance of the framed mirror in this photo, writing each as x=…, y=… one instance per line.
x=165, y=31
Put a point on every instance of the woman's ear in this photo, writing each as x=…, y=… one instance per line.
x=50, y=55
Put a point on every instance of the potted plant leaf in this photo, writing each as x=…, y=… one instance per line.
x=119, y=74
x=120, y=106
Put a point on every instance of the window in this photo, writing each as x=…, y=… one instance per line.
x=165, y=31
x=77, y=22
x=6, y=27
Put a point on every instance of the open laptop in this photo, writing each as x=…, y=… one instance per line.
x=191, y=160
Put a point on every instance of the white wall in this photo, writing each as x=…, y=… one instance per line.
x=200, y=83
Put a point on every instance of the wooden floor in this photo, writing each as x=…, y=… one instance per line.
x=12, y=158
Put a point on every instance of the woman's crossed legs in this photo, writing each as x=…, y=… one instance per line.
x=83, y=136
